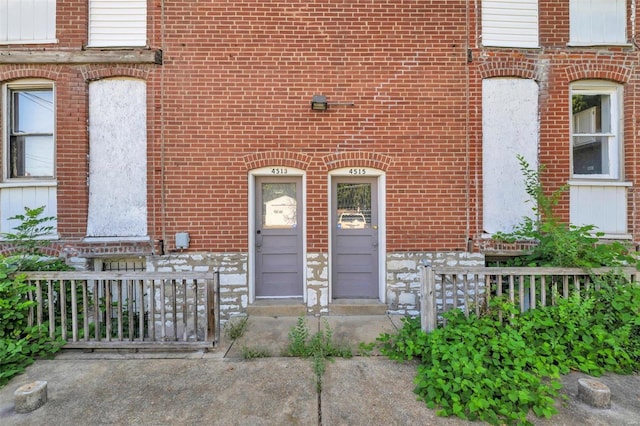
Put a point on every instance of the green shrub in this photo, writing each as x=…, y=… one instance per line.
x=502, y=365
x=558, y=243
x=20, y=343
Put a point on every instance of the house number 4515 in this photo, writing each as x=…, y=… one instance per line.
x=357, y=171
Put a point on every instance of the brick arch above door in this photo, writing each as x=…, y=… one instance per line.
x=297, y=160
x=357, y=159
x=98, y=71
x=508, y=67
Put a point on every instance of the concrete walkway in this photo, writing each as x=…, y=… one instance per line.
x=222, y=388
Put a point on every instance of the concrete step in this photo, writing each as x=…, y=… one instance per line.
x=356, y=307
x=295, y=307
x=277, y=308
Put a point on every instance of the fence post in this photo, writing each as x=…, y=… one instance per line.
x=428, y=314
x=213, y=306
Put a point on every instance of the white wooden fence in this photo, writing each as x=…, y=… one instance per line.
x=127, y=309
x=471, y=288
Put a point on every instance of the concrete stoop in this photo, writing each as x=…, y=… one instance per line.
x=277, y=308
x=296, y=307
x=348, y=307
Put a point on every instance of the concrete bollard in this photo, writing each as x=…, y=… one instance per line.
x=594, y=393
x=30, y=397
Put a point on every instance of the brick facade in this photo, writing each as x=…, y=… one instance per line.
x=232, y=94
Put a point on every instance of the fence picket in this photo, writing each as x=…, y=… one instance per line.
x=74, y=311
x=85, y=310
x=51, y=307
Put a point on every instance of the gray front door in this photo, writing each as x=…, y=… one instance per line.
x=278, y=237
x=354, y=224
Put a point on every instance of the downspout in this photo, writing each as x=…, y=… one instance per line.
x=163, y=196
x=634, y=198
x=469, y=58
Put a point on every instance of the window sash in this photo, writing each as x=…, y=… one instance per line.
x=30, y=142
x=596, y=145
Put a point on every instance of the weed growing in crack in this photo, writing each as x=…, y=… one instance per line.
x=252, y=353
x=235, y=329
x=366, y=349
x=318, y=346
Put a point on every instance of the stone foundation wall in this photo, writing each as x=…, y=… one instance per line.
x=234, y=278
x=402, y=277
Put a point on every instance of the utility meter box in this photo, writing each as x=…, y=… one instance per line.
x=182, y=240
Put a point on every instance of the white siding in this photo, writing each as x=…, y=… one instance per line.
x=509, y=127
x=117, y=23
x=510, y=23
x=13, y=200
x=117, y=158
x=27, y=21
x=597, y=22
x=599, y=205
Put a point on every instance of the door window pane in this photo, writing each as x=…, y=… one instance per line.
x=279, y=205
x=353, y=207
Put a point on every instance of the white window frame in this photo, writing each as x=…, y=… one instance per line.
x=7, y=89
x=614, y=135
x=597, y=22
x=27, y=22
x=18, y=192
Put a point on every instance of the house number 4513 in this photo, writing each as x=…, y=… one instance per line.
x=279, y=171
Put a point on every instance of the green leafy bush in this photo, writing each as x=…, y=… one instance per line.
x=558, y=243
x=502, y=365
x=20, y=341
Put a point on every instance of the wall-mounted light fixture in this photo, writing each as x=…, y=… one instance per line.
x=320, y=103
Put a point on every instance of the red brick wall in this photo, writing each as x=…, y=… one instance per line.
x=236, y=84
x=241, y=83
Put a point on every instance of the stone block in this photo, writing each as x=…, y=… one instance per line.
x=594, y=393
x=30, y=397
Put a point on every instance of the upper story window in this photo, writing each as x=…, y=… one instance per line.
x=27, y=21
x=30, y=148
x=510, y=23
x=595, y=126
x=117, y=23
x=597, y=22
